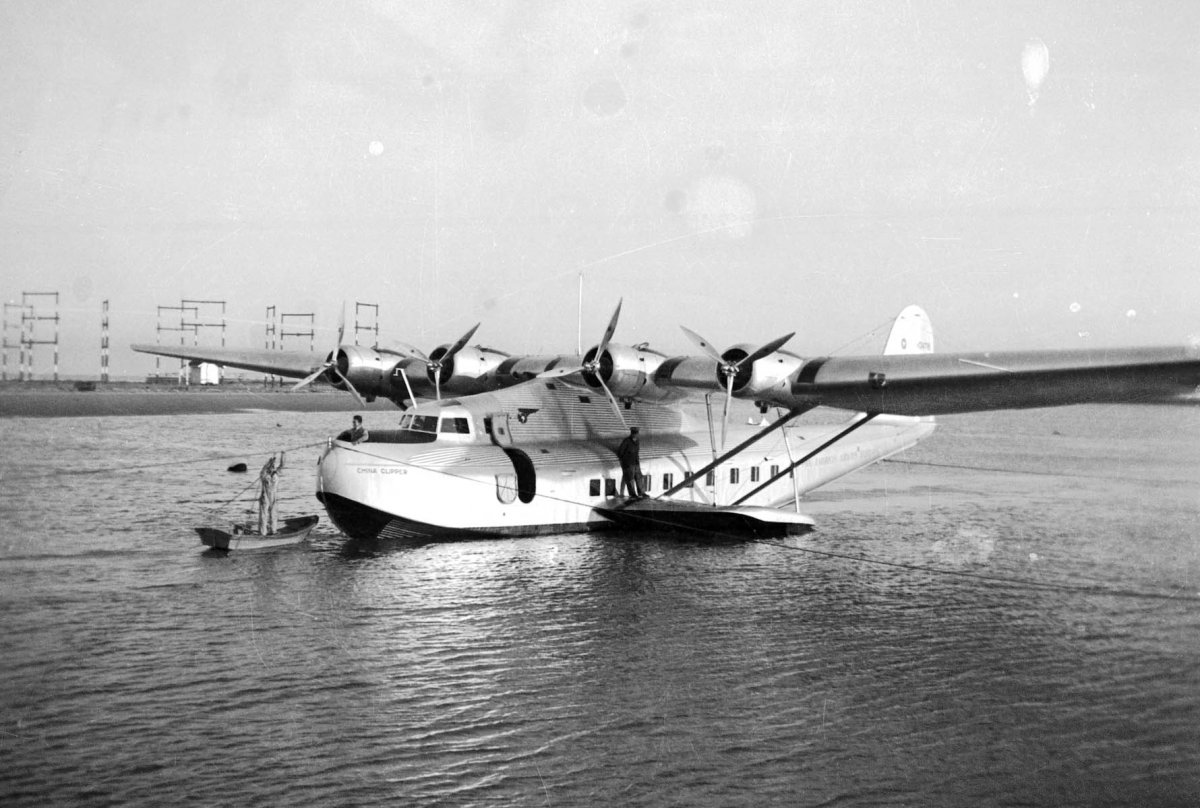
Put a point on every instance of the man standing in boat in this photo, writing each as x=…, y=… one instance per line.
x=268, y=481
x=629, y=453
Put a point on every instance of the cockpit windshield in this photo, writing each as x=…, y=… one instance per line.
x=428, y=427
x=420, y=423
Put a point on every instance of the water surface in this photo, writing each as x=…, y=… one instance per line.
x=1008, y=616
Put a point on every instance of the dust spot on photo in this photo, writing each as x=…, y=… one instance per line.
x=605, y=98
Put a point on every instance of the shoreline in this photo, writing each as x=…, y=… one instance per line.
x=63, y=400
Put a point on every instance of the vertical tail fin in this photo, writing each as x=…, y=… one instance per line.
x=912, y=333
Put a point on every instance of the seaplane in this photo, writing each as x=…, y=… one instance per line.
x=525, y=445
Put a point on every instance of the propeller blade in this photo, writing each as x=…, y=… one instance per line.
x=435, y=365
x=307, y=380
x=459, y=344
x=613, y=400
x=709, y=350
x=612, y=329
x=770, y=348
x=725, y=413
x=349, y=387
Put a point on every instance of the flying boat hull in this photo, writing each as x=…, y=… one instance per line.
x=382, y=490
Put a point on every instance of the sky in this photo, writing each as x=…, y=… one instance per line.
x=745, y=169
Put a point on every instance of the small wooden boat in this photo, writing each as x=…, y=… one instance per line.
x=294, y=531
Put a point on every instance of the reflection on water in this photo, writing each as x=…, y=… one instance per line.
x=634, y=670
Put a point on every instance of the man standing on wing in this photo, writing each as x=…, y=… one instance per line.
x=631, y=465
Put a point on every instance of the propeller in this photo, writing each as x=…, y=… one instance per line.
x=331, y=364
x=729, y=369
x=434, y=366
x=592, y=366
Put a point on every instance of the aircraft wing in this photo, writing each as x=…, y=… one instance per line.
x=936, y=384
x=291, y=364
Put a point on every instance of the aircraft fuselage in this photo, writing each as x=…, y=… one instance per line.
x=540, y=458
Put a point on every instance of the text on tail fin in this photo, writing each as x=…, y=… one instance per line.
x=912, y=333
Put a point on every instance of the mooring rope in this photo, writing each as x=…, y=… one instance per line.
x=143, y=466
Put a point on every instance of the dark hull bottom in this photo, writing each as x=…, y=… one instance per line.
x=698, y=521
x=360, y=521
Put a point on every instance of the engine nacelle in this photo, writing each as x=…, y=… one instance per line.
x=365, y=368
x=464, y=372
x=628, y=372
x=753, y=380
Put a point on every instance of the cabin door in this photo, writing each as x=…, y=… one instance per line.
x=522, y=484
x=496, y=425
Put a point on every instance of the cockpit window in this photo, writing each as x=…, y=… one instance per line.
x=419, y=423
x=432, y=424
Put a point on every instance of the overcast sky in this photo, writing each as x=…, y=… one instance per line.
x=745, y=169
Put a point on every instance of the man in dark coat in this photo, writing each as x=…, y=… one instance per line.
x=358, y=433
x=631, y=465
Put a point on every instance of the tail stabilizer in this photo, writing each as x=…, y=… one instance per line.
x=912, y=333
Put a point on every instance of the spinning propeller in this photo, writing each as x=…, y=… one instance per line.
x=331, y=364
x=592, y=367
x=729, y=369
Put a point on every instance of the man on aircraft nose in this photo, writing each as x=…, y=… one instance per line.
x=358, y=433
